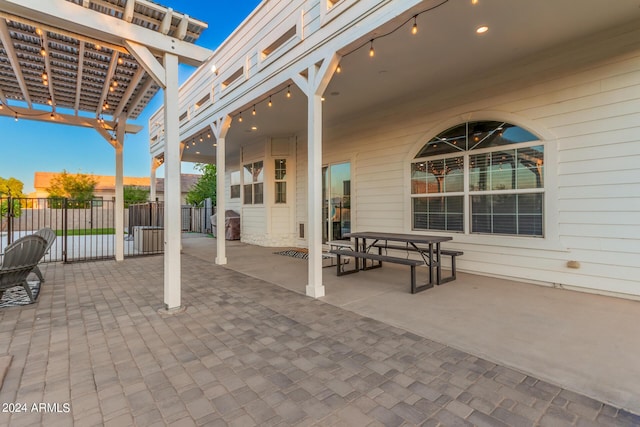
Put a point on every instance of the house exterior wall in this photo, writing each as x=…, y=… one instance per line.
x=581, y=99
x=585, y=106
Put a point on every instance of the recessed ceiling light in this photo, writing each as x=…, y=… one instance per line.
x=482, y=30
x=197, y=152
x=254, y=128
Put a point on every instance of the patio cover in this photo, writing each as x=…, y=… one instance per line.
x=97, y=63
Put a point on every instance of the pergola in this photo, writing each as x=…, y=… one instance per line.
x=97, y=64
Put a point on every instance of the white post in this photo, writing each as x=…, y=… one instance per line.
x=315, y=288
x=119, y=212
x=314, y=85
x=172, y=209
x=155, y=164
x=220, y=131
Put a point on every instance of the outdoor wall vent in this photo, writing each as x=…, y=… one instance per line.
x=183, y=116
x=301, y=230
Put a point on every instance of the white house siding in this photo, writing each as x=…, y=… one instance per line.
x=587, y=103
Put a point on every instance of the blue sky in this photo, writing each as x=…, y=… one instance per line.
x=30, y=146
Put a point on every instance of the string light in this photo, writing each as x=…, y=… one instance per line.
x=288, y=91
x=240, y=118
x=253, y=113
x=414, y=29
x=372, y=52
x=338, y=69
x=43, y=51
x=15, y=116
x=270, y=104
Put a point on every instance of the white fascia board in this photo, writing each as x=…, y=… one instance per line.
x=75, y=18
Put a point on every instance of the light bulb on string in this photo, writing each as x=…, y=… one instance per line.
x=15, y=116
x=253, y=113
x=288, y=91
x=270, y=104
x=372, y=52
x=240, y=118
x=43, y=51
x=338, y=69
x=414, y=29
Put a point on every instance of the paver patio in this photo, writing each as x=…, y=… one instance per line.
x=247, y=352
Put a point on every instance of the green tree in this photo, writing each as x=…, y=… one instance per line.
x=77, y=187
x=205, y=188
x=133, y=195
x=10, y=187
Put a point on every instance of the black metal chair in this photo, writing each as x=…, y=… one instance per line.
x=19, y=260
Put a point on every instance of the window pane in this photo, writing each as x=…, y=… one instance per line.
x=235, y=178
x=438, y=213
x=479, y=172
x=248, y=173
x=281, y=169
x=454, y=175
x=516, y=214
x=248, y=194
x=530, y=167
x=235, y=192
x=257, y=194
x=418, y=178
x=258, y=172
x=281, y=192
x=503, y=172
x=435, y=176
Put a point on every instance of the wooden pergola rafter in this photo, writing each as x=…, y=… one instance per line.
x=98, y=63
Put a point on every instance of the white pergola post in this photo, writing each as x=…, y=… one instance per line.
x=119, y=212
x=172, y=209
x=220, y=129
x=117, y=142
x=314, y=85
x=153, y=187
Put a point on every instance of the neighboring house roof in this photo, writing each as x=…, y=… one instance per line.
x=42, y=181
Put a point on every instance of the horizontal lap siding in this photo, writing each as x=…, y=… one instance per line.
x=594, y=111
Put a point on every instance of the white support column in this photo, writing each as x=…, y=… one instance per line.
x=155, y=164
x=315, y=288
x=172, y=235
x=314, y=84
x=220, y=130
x=119, y=211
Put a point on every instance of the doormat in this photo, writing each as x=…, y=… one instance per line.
x=17, y=296
x=301, y=253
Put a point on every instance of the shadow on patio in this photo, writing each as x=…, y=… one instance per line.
x=247, y=352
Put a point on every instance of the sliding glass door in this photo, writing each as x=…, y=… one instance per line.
x=336, y=195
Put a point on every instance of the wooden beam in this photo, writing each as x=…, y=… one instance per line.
x=107, y=82
x=129, y=92
x=79, y=76
x=5, y=38
x=109, y=29
x=65, y=119
x=146, y=59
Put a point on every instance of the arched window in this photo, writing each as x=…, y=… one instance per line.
x=480, y=177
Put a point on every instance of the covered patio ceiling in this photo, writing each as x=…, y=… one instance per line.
x=445, y=59
x=78, y=62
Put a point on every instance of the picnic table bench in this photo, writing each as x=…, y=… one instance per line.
x=412, y=263
x=411, y=248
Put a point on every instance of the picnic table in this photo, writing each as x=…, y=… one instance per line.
x=374, y=246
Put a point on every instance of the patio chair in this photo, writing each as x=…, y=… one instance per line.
x=50, y=236
x=20, y=258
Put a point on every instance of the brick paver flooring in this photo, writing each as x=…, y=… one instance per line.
x=246, y=352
